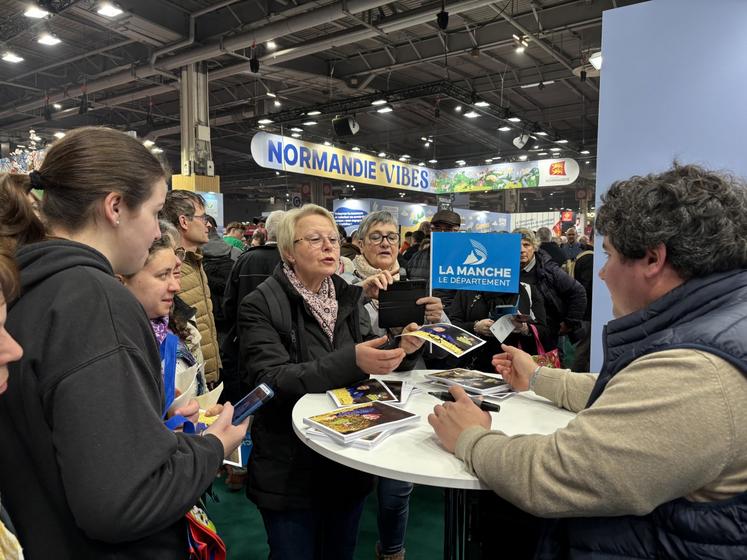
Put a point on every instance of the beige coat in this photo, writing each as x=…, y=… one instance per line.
x=196, y=293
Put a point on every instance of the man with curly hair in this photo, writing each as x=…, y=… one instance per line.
x=655, y=463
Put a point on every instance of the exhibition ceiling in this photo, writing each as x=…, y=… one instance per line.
x=500, y=68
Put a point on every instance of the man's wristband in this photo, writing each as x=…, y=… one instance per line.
x=533, y=379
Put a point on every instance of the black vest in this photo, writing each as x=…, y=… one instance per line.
x=708, y=314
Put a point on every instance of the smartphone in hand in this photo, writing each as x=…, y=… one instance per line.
x=251, y=402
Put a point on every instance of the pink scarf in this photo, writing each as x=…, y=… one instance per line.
x=323, y=305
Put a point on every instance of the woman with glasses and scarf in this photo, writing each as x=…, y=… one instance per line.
x=304, y=330
x=379, y=242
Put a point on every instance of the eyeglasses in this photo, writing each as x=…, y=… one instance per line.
x=377, y=238
x=181, y=253
x=442, y=226
x=202, y=217
x=317, y=241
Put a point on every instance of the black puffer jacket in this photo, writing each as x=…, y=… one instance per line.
x=283, y=472
x=565, y=299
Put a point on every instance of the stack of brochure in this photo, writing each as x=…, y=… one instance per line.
x=351, y=424
x=370, y=390
x=471, y=381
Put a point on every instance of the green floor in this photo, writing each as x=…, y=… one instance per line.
x=240, y=525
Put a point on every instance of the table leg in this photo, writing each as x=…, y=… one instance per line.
x=461, y=539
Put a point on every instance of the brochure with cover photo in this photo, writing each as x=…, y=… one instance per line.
x=347, y=424
x=366, y=391
x=470, y=380
x=368, y=442
x=451, y=338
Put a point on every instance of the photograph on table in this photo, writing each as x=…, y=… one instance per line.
x=366, y=391
x=470, y=380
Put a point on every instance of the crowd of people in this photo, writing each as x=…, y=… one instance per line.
x=112, y=286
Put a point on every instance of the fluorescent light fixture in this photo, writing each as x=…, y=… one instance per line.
x=309, y=123
x=504, y=128
x=523, y=157
x=59, y=135
x=148, y=143
x=421, y=164
x=514, y=119
x=541, y=133
x=381, y=154
x=57, y=106
x=271, y=44
x=356, y=149
x=406, y=156
x=520, y=49
x=379, y=102
x=584, y=152
x=587, y=162
x=314, y=113
x=432, y=161
x=482, y=104
x=157, y=150
x=327, y=143
x=427, y=144
x=265, y=121
x=277, y=103
x=423, y=138
x=35, y=12
x=10, y=57
x=458, y=108
x=489, y=160
x=460, y=162
x=48, y=39
x=595, y=59
x=561, y=141
x=403, y=159
x=472, y=114
x=554, y=149
x=261, y=126
x=296, y=135
x=107, y=9
x=270, y=94
x=386, y=109
x=296, y=129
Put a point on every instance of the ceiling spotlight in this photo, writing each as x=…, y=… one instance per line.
x=458, y=108
x=403, y=159
x=432, y=161
x=386, y=109
x=427, y=144
x=460, y=162
x=406, y=156
x=514, y=119
x=523, y=157
x=35, y=12
x=482, y=104
x=296, y=129
x=270, y=94
x=584, y=152
x=472, y=114
x=561, y=141
x=157, y=150
x=356, y=149
x=421, y=164
x=541, y=133
x=314, y=113
x=59, y=135
x=261, y=126
x=148, y=143
x=595, y=59
x=587, y=162
x=277, y=103
x=381, y=154
x=271, y=45
x=265, y=121
x=554, y=149
x=489, y=160
x=309, y=123
x=379, y=102
x=521, y=43
x=57, y=106
x=296, y=135
x=524, y=141
x=327, y=143
x=542, y=154
x=107, y=9
x=504, y=128
x=48, y=39
x=11, y=57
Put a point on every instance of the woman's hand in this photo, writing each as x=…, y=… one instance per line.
x=520, y=327
x=483, y=327
x=373, y=361
x=229, y=435
x=516, y=367
x=433, y=308
x=214, y=410
x=373, y=284
x=410, y=344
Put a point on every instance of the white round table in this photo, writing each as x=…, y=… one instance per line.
x=415, y=455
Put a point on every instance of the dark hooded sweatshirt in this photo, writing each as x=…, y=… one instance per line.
x=88, y=470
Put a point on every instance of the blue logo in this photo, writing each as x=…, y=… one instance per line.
x=476, y=261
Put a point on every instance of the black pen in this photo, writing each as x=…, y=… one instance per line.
x=484, y=405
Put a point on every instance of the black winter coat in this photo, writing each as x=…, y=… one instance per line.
x=283, y=472
x=564, y=298
x=470, y=306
